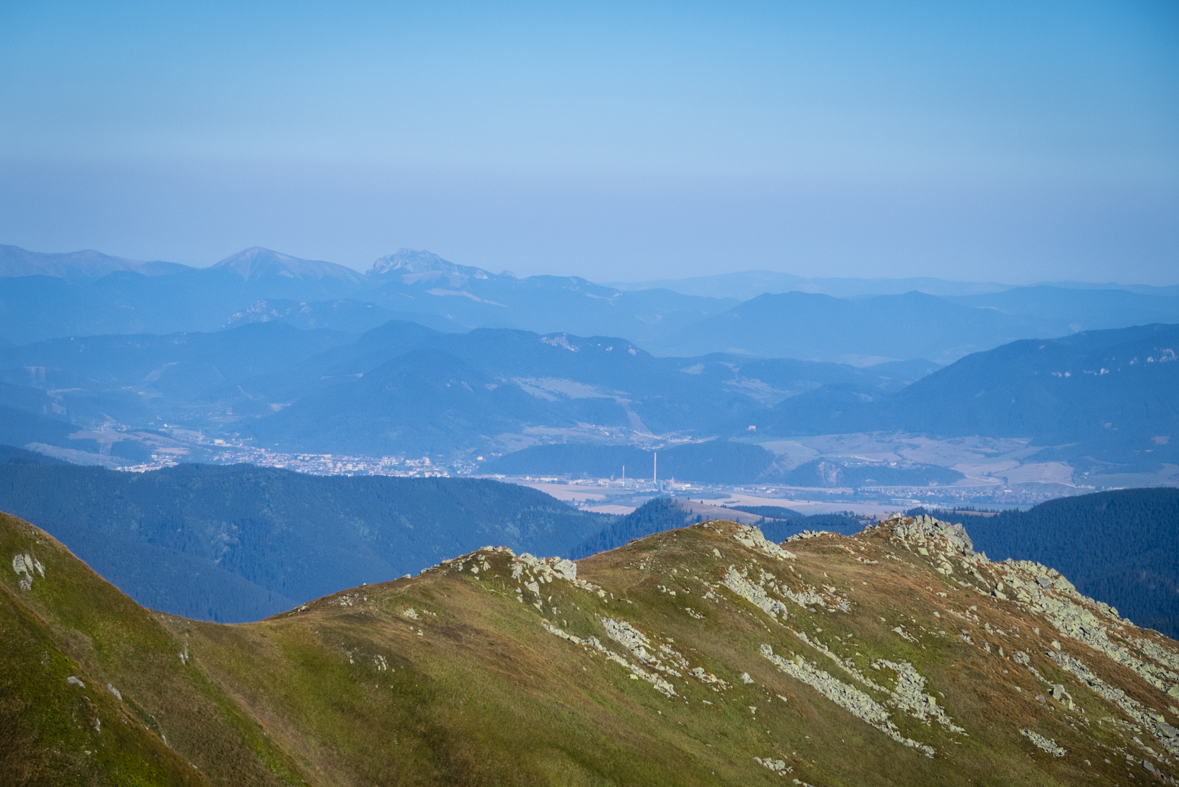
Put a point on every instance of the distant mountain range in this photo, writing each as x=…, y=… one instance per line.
x=746, y=285
x=757, y=313
x=76, y=266
x=1100, y=400
x=421, y=356
x=398, y=388
x=114, y=296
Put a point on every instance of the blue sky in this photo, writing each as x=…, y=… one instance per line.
x=1014, y=142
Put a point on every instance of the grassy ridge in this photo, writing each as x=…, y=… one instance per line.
x=497, y=669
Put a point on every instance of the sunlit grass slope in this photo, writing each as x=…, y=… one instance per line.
x=698, y=656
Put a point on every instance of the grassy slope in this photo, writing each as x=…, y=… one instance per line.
x=90, y=624
x=469, y=688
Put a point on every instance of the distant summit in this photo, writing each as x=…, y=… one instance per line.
x=411, y=261
x=415, y=265
x=257, y=263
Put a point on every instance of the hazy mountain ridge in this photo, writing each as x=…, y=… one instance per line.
x=93, y=294
x=876, y=328
x=409, y=282
x=75, y=266
x=746, y=285
x=258, y=263
x=1090, y=309
x=347, y=315
x=695, y=655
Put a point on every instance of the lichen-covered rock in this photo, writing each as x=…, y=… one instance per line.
x=927, y=530
x=754, y=594
x=777, y=766
x=26, y=567
x=910, y=695
x=1047, y=744
x=845, y=696
x=752, y=537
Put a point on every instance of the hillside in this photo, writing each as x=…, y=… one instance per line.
x=700, y=656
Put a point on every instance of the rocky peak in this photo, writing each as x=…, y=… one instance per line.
x=427, y=269
x=411, y=261
x=924, y=529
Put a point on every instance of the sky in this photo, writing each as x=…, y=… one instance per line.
x=989, y=141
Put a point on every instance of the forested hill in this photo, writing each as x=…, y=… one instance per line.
x=1121, y=547
x=242, y=542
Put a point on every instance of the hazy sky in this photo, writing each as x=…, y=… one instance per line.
x=1012, y=141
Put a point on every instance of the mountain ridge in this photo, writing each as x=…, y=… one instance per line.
x=885, y=321
x=699, y=655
